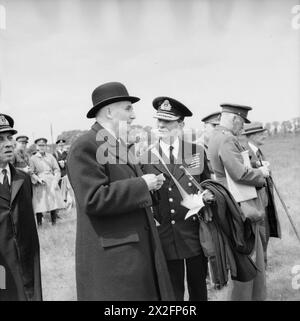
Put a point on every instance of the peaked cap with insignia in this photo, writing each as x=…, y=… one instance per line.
x=170, y=109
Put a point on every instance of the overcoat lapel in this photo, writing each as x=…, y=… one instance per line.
x=16, y=182
x=119, y=149
x=4, y=194
x=128, y=157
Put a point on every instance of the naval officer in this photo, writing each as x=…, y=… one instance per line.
x=179, y=237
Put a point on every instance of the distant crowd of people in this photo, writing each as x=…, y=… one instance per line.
x=152, y=228
x=51, y=188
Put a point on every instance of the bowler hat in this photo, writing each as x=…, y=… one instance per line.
x=109, y=93
x=6, y=124
x=240, y=110
x=213, y=118
x=253, y=128
x=170, y=109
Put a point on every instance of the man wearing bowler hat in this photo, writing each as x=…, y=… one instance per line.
x=20, y=278
x=179, y=236
x=224, y=152
x=118, y=252
x=256, y=135
x=21, y=157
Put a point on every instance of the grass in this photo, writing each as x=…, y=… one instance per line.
x=58, y=242
x=57, y=245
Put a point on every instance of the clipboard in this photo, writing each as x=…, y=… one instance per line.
x=241, y=192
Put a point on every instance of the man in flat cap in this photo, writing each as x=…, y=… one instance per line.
x=255, y=135
x=179, y=236
x=20, y=273
x=118, y=252
x=21, y=157
x=45, y=175
x=224, y=152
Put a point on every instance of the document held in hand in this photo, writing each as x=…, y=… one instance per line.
x=194, y=203
x=241, y=192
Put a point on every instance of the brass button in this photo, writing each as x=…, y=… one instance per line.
x=173, y=222
x=172, y=211
x=189, y=184
x=170, y=189
x=171, y=200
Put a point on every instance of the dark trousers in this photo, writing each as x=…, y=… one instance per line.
x=196, y=272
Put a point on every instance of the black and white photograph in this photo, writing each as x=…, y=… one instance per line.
x=149, y=151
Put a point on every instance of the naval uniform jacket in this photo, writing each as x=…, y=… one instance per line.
x=118, y=253
x=179, y=237
x=19, y=243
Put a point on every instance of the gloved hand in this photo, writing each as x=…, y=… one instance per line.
x=265, y=171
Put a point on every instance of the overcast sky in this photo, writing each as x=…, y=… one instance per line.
x=54, y=53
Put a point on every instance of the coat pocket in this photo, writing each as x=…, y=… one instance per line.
x=116, y=240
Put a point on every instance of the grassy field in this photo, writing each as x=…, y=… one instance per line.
x=58, y=242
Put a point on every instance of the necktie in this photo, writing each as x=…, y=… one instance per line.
x=5, y=179
x=171, y=158
x=259, y=155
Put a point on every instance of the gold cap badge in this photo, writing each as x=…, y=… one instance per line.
x=166, y=105
x=3, y=121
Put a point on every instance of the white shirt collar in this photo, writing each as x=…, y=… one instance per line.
x=8, y=174
x=166, y=148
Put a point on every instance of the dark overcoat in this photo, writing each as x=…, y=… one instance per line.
x=61, y=156
x=273, y=223
x=118, y=253
x=19, y=244
x=179, y=237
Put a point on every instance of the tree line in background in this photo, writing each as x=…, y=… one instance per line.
x=285, y=127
